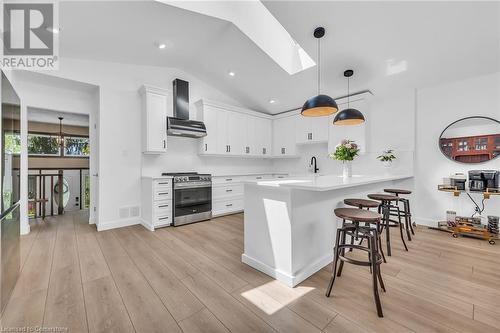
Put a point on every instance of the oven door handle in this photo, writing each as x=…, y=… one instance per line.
x=188, y=186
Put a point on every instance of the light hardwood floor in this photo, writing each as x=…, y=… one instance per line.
x=191, y=279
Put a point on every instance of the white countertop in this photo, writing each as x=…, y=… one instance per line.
x=158, y=177
x=327, y=182
x=247, y=174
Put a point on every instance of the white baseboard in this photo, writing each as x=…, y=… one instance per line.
x=289, y=280
x=25, y=229
x=424, y=221
x=147, y=225
x=117, y=224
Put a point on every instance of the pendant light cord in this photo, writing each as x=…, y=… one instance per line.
x=319, y=63
x=348, y=91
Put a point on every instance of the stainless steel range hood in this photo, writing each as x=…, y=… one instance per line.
x=185, y=128
x=179, y=124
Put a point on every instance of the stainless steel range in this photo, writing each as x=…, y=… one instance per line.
x=192, y=199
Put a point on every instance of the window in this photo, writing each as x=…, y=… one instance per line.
x=463, y=146
x=482, y=144
x=76, y=146
x=43, y=144
x=13, y=143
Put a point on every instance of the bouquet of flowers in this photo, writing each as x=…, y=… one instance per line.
x=346, y=150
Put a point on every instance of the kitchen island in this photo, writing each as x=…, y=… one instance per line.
x=290, y=226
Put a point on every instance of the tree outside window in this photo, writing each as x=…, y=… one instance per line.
x=76, y=146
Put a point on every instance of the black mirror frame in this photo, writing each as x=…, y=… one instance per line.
x=456, y=121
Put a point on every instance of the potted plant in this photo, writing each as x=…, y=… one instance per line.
x=346, y=151
x=387, y=157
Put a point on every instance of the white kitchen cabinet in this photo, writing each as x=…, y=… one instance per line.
x=311, y=129
x=156, y=202
x=357, y=133
x=236, y=138
x=228, y=192
x=264, y=137
x=284, y=136
x=157, y=105
x=237, y=132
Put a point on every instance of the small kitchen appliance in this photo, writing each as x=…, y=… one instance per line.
x=458, y=180
x=480, y=180
x=192, y=199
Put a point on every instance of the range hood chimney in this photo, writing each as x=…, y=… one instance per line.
x=179, y=124
x=181, y=99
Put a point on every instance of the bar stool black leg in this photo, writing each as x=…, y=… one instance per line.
x=335, y=260
x=377, y=249
x=407, y=223
x=375, y=277
x=401, y=228
x=386, y=213
x=342, y=251
x=379, y=240
x=409, y=216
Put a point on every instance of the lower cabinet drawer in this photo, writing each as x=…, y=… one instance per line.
x=162, y=219
x=162, y=194
x=219, y=192
x=162, y=206
x=227, y=206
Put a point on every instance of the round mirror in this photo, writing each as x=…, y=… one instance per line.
x=471, y=140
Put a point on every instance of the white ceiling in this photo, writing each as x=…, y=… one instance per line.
x=439, y=41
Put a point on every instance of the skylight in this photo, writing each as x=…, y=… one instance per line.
x=255, y=21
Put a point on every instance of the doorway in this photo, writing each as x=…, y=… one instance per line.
x=58, y=162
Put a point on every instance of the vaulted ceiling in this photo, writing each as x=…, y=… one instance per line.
x=390, y=45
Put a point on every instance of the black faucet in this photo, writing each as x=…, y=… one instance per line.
x=315, y=166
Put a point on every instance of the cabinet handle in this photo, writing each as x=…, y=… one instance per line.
x=162, y=206
x=263, y=151
x=229, y=190
x=163, y=218
x=163, y=193
x=229, y=148
x=163, y=183
x=282, y=150
x=229, y=205
x=229, y=179
x=258, y=177
x=164, y=144
x=206, y=147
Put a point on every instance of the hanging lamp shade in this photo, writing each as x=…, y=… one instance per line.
x=349, y=116
x=320, y=105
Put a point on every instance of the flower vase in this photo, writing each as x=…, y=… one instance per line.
x=387, y=164
x=347, y=169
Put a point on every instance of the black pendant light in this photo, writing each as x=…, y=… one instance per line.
x=348, y=116
x=320, y=105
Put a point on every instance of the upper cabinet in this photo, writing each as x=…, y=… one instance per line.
x=311, y=129
x=234, y=131
x=284, y=133
x=357, y=133
x=157, y=105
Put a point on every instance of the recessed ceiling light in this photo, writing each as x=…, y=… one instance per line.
x=231, y=73
x=53, y=30
x=272, y=101
x=161, y=46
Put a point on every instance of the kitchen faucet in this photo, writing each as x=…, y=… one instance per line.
x=315, y=165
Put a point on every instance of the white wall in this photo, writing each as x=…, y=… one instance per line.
x=437, y=107
x=390, y=125
x=119, y=120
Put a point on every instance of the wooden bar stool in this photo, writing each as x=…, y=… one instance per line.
x=386, y=204
x=365, y=203
x=406, y=208
x=371, y=234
